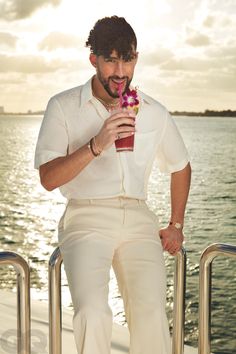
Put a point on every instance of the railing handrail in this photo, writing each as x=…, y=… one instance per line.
x=55, y=317
x=179, y=302
x=23, y=298
x=55, y=323
x=205, y=274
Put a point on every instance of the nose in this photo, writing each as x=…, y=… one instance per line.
x=119, y=70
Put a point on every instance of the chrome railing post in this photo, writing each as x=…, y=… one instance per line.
x=207, y=257
x=179, y=302
x=23, y=298
x=54, y=286
x=55, y=321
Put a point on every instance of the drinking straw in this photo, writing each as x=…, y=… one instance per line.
x=120, y=94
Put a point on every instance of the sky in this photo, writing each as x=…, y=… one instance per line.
x=187, y=50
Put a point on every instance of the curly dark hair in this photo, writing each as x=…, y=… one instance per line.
x=112, y=33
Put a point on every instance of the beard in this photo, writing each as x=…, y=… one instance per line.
x=106, y=84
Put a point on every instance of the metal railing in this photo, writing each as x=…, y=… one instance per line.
x=54, y=286
x=179, y=302
x=205, y=276
x=23, y=298
x=55, y=318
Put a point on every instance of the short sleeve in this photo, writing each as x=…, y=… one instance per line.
x=172, y=155
x=53, y=138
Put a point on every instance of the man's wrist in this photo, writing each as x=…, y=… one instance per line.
x=95, y=150
x=177, y=225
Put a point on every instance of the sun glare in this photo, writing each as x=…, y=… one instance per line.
x=71, y=17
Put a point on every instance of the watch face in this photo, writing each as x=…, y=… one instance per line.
x=178, y=225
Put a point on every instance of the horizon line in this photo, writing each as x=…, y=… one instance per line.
x=174, y=112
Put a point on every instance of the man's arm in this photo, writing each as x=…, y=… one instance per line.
x=61, y=170
x=171, y=237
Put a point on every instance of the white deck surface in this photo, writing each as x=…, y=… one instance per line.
x=39, y=325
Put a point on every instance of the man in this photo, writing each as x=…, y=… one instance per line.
x=107, y=222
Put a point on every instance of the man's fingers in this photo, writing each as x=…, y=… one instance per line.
x=122, y=122
x=124, y=135
x=169, y=243
x=122, y=114
x=174, y=252
x=125, y=129
x=172, y=248
x=123, y=125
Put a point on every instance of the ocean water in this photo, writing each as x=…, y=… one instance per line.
x=29, y=217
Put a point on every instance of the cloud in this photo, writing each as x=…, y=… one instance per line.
x=161, y=55
x=207, y=82
x=226, y=51
x=7, y=39
x=218, y=19
x=28, y=64
x=11, y=79
x=56, y=40
x=18, y=9
x=223, y=6
x=198, y=40
x=214, y=64
x=32, y=64
x=209, y=21
x=223, y=82
x=188, y=64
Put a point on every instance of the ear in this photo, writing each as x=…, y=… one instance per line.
x=93, y=59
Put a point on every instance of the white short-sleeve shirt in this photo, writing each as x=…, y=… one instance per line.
x=74, y=116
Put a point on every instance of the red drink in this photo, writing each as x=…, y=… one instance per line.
x=130, y=102
x=125, y=144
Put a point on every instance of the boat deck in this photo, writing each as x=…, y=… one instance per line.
x=39, y=329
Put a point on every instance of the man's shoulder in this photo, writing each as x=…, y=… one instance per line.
x=153, y=102
x=68, y=94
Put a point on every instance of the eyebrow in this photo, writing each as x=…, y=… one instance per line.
x=109, y=57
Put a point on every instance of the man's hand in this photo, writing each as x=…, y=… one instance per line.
x=119, y=125
x=171, y=239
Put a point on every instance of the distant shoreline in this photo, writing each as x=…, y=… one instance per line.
x=206, y=113
x=39, y=113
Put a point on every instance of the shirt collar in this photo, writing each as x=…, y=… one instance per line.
x=143, y=98
x=86, y=93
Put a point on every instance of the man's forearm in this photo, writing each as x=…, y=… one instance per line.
x=61, y=170
x=180, y=184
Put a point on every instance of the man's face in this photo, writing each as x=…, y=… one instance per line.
x=114, y=71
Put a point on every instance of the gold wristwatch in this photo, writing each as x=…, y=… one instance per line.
x=177, y=225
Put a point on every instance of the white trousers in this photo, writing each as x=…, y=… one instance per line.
x=123, y=233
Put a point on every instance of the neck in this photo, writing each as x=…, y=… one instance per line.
x=100, y=93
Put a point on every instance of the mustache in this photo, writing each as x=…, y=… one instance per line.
x=118, y=78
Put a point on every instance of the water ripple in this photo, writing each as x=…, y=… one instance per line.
x=29, y=216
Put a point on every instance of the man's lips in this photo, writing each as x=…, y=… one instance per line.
x=119, y=81
x=118, y=85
